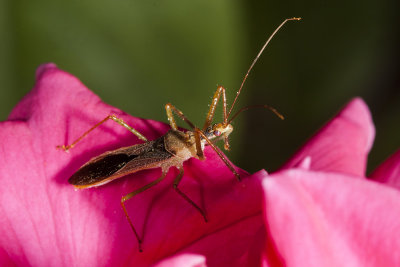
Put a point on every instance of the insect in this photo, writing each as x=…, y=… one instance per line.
x=169, y=150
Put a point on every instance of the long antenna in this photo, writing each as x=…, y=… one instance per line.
x=255, y=60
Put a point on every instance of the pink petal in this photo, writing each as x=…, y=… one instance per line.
x=185, y=260
x=342, y=145
x=241, y=242
x=44, y=221
x=327, y=219
x=389, y=171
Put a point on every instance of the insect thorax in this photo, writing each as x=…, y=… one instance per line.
x=180, y=144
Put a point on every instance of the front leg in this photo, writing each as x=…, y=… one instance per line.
x=213, y=106
x=227, y=163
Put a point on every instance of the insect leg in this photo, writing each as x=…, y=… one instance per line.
x=211, y=111
x=199, y=150
x=227, y=163
x=214, y=102
x=176, y=183
x=109, y=117
x=134, y=193
x=169, y=108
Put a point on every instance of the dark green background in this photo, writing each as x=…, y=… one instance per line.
x=139, y=55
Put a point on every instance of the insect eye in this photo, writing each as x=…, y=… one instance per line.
x=217, y=133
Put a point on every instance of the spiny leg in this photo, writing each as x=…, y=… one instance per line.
x=211, y=112
x=134, y=193
x=176, y=183
x=227, y=163
x=213, y=106
x=109, y=117
x=169, y=108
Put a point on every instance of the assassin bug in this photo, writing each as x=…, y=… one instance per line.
x=169, y=150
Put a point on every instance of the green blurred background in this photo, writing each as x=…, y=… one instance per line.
x=139, y=55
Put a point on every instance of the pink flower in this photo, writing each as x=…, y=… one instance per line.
x=318, y=210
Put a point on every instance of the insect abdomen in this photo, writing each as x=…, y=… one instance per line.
x=96, y=171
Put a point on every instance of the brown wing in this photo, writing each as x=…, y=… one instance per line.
x=120, y=162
